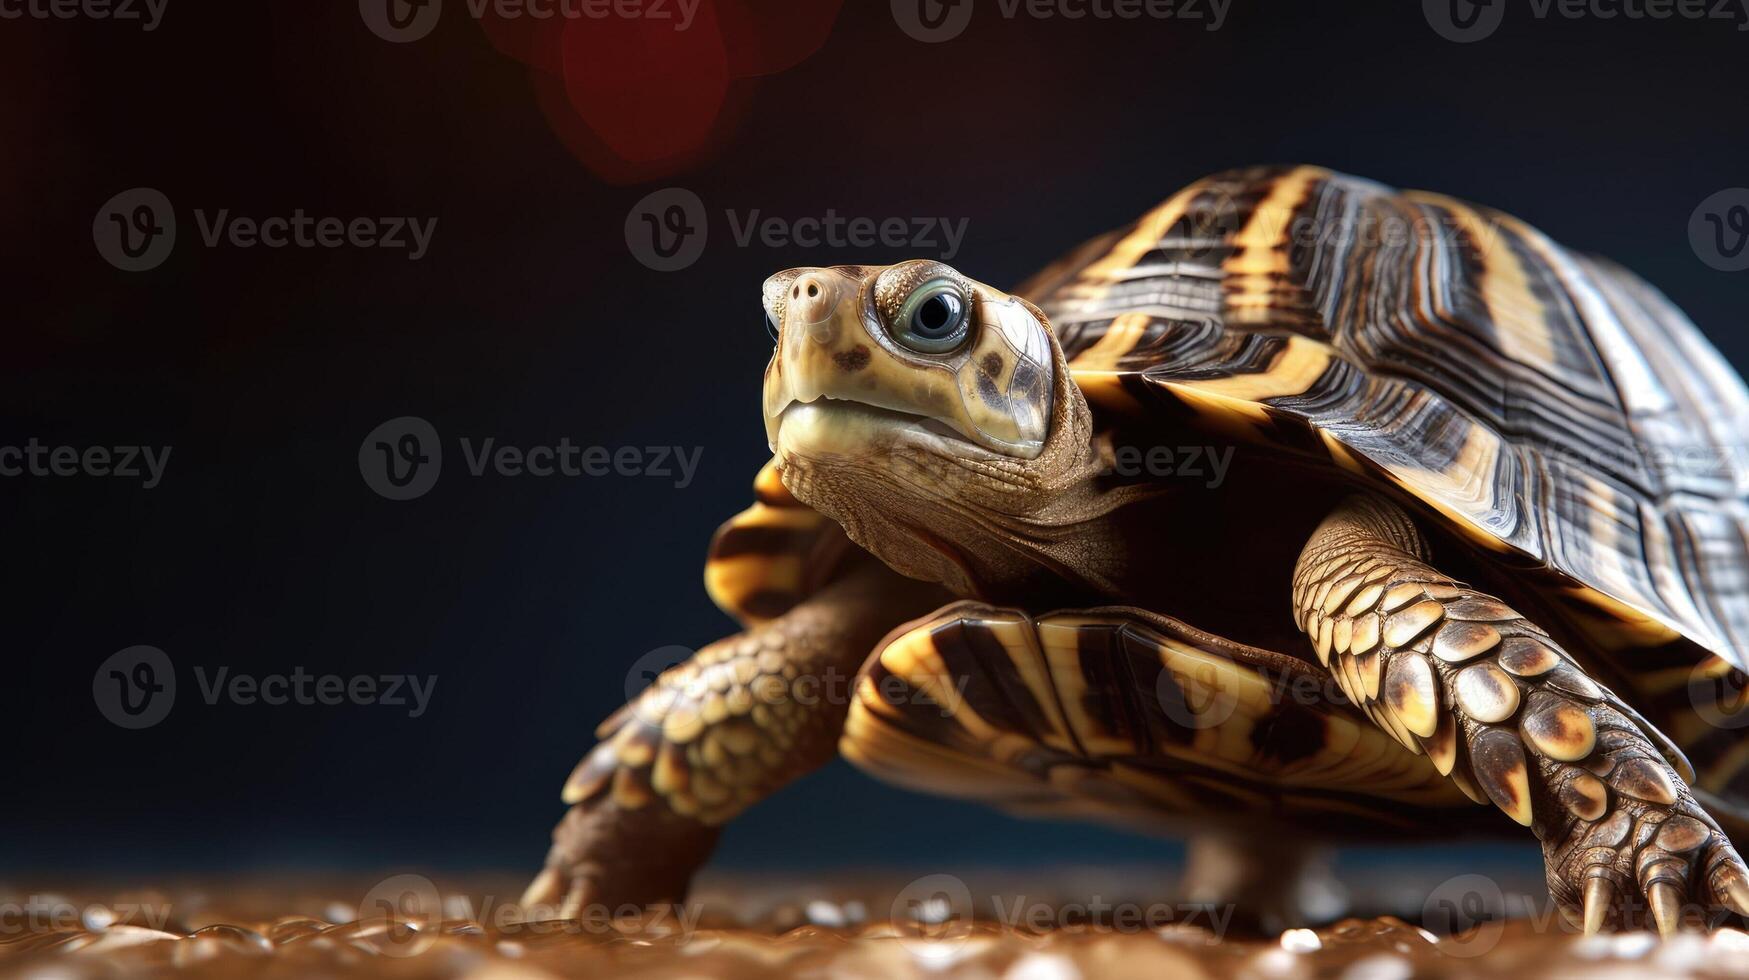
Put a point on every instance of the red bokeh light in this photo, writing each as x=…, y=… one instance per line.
x=764, y=37
x=649, y=91
x=635, y=98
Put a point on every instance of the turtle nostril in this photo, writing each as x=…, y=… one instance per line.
x=813, y=298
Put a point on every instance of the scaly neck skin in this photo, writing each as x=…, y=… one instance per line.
x=985, y=526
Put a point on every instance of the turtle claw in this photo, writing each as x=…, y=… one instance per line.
x=548, y=891
x=1731, y=888
x=1599, y=899
x=1647, y=865
x=576, y=899
x=543, y=890
x=1666, y=903
x=1726, y=876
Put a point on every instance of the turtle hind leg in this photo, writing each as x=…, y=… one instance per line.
x=1125, y=717
x=1272, y=881
x=1514, y=720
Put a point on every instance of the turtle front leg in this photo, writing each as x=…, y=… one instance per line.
x=1503, y=710
x=712, y=736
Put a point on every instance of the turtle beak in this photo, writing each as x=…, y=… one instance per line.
x=815, y=310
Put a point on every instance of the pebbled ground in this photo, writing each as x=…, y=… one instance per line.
x=409, y=926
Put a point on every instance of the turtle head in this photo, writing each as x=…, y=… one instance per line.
x=922, y=410
x=864, y=353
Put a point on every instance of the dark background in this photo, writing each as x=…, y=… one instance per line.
x=530, y=320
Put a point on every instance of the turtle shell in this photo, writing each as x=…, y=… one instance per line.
x=1551, y=409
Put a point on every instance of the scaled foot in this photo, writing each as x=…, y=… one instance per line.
x=1514, y=719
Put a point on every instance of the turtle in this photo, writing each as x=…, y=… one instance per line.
x=1300, y=509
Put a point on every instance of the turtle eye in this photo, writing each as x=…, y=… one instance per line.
x=933, y=318
x=771, y=326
